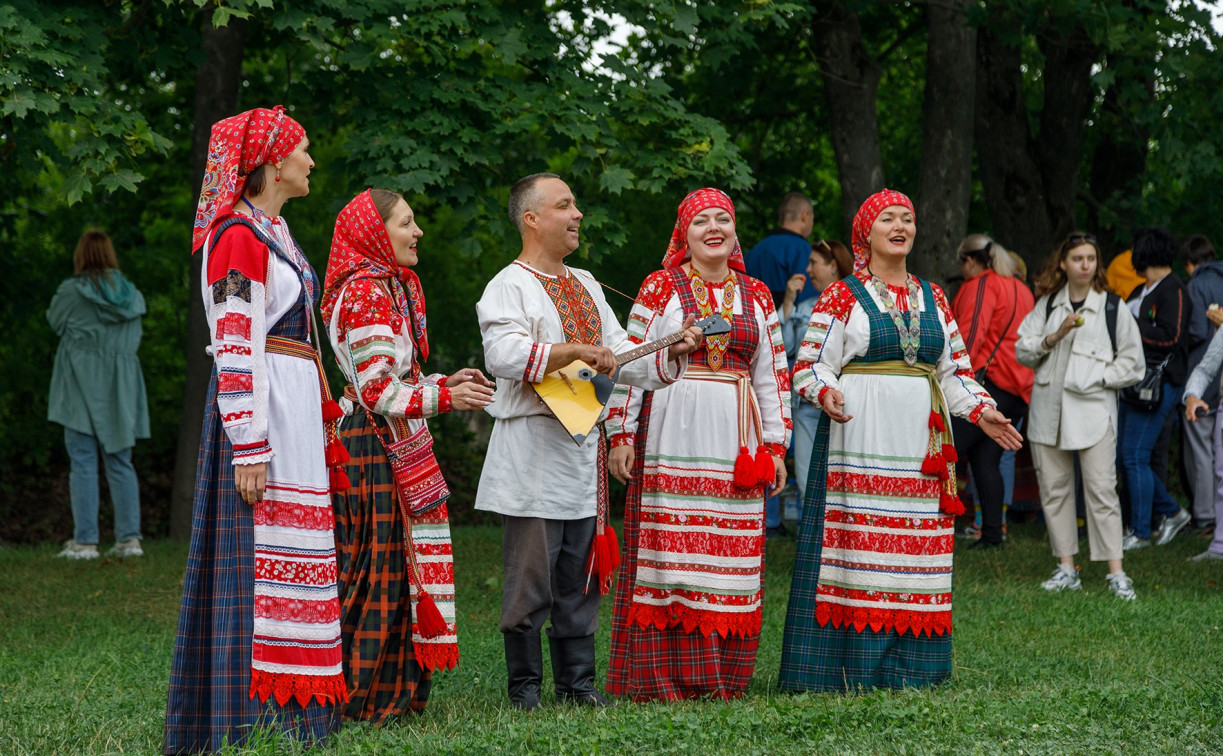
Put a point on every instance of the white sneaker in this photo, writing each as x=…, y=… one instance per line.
x=1206, y=556
x=74, y=550
x=1122, y=586
x=1063, y=581
x=1131, y=542
x=128, y=548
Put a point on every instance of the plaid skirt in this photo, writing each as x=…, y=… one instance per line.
x=670, y=664
x=384, y=678
x=209, y=702
x=815, y=658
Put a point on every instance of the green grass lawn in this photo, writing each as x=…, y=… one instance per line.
x=85, y=659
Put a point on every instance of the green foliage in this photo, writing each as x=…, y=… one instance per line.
x=85, y=666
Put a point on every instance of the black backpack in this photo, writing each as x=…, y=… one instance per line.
x=1111, y=303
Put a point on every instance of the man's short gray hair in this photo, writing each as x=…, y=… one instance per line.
x=522, y=197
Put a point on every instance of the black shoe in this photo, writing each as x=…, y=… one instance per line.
x=524, y=666
x=985, y=545
x=573, y=671
x=776, y=530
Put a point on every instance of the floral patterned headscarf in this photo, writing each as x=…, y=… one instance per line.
x=697, y=202
x=238, y=145
x=867, y=214
x=361, y=248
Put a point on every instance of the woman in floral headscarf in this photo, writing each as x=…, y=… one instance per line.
x=258, y=635
x=870, y=601
x=396, y=573
x=698, y=458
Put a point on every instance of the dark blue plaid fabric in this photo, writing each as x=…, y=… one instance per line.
x=818, y=658
x=209, y=703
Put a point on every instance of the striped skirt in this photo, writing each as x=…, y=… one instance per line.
x=815, y=658
x=209, y=700
x=384, y=678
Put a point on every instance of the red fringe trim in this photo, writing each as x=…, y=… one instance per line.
x=675, y=615
x=902, y=621
x=436, y=656
x=745, y=469
x=949, y=453
x=284, y=685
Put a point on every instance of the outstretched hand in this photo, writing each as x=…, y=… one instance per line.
x=998, y=427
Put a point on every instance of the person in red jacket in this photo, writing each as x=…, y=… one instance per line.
x=989, y=308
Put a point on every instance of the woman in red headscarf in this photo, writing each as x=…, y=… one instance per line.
x=258, y=640
x=396, y=573
x=870, y=600
x=698, y=458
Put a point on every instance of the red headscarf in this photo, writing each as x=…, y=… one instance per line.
x=697, y=202
x=870, y=210
x=238, y=145
x=360, y=248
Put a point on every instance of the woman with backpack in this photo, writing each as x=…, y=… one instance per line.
x=1084, y=346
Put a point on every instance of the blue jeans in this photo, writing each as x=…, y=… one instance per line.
x=1136, y=438
x=83, y=484
x=806, y=421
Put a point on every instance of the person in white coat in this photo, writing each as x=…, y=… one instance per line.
x=1079, y=366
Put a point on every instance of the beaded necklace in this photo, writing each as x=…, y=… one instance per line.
x=715, y=346
x=910, y=334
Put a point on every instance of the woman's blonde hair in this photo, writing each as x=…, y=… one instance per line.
x=987, y=252
x=94, y=255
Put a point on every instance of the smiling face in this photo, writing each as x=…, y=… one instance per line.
x=555, y=217
x=1079, y=265
x=711, y=237
x=295, y=171
x=891, y=235
x=404, y=233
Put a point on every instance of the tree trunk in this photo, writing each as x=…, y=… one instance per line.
x=216, y=96
x=851, y=80
x=1068, y=99
x=1014, y=189
x=945, y=186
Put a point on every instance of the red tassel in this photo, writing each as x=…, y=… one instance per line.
x=332, y=411
x=934, y=464
x=339, y=481
x=949, y=503
x=336, y=454
x=936, y=422
x=745, y=469
x=765, y=472
x=429, y=621
x=949, y=453
x=604, y=558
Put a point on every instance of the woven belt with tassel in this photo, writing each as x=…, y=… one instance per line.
x=336, y=454
x=749, y=472
x=940, y=451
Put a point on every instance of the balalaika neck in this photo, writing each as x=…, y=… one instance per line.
x=649, y=347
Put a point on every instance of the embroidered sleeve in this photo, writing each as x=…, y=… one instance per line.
x=510, y=351
x=367, y=327
x=965, y=397
x=771, y=374
x=645, y=323
x=237, y=271
x=822, y=350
